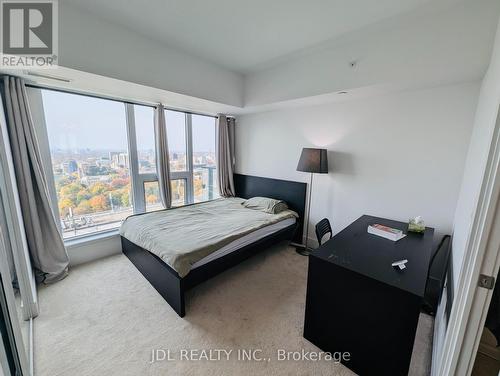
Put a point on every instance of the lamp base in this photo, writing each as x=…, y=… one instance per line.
x=302, y=250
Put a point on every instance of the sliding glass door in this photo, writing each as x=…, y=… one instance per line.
x=14, y=346
x=16, y=273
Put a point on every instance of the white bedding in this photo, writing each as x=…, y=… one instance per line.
x=244, y=241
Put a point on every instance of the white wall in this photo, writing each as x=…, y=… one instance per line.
x=484, y=125
x=90, y=44
x=473, y=176
x=395, y=156
x=419, y=50
x=93, y=248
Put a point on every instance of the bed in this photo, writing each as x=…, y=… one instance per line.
x=159, y=251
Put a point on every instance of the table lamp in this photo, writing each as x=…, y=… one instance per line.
x=314, y=161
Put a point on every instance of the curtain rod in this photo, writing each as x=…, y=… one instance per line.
x=109, y=98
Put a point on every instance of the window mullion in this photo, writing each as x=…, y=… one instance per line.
x=137, y=185
x=148, y=177
x=189, y=159
x=179, y=175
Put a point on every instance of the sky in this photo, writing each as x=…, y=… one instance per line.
x=81, y=122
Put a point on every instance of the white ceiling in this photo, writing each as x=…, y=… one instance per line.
x=242, y=34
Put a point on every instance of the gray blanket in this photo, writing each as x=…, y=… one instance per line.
x=185, y=235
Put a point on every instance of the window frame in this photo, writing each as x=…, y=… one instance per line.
x=37, y=107
x=137, y=179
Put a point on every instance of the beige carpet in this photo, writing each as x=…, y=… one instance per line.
x=105, y=319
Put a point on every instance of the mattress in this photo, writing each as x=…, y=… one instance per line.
x=244, y=241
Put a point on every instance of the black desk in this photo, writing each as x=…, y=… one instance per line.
x=358, y=303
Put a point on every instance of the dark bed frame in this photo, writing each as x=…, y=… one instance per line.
x=172, y=287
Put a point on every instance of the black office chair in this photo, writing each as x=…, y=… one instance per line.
x=322, y=228
x=437, y=275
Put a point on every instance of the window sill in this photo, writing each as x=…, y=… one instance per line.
x=82, y=240
x=91, y=238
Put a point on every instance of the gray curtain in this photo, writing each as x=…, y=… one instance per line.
x=225, y=155
x=45, y=243
x=162, y=159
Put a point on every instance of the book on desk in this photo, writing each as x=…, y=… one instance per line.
x=386, y=232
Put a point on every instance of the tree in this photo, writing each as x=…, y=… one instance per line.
x=99, y=203
x=152, y=199
x=64, y=205
x=82, y=195
x=125, y=197
x=70, y=190
x=152, y=189
x=116, y=197
x=198, y=186
x=83, y=207
x=119, y=183
x=98, y=188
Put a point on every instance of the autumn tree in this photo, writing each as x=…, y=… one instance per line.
x=99, y=203
x=98, y=188
x=152, y=199
x=119, y=183
x=83, y=207
x=82, y=195
x=64, y=205
x=126, y=198
x=71, y=190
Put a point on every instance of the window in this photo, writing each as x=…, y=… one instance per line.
x=104, y=162
x=178, y=187
x=152, y=196
x=144, y=128
x=88, y=147
x=176, y=134
x=204, y=178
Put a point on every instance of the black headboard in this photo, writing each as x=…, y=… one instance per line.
x=292, y=192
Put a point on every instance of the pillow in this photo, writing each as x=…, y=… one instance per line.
x=267, y=205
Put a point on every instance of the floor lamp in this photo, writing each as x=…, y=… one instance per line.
x=314, y=161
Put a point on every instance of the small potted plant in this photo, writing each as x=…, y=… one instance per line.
x=416, y=225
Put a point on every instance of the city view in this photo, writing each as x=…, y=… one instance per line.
x=90, y=160
x=89, y=182
x=94, y=188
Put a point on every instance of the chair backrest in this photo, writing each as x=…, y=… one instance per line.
x=322, y=228
x=443, y=249
x=438, y=267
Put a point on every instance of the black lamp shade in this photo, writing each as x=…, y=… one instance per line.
x=313, y=160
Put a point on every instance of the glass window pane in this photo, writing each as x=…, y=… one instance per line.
x=178, y=192
x=152, y=196
x=204, y=167
x=144, y=130
x=176, y=134
x=88, y=144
